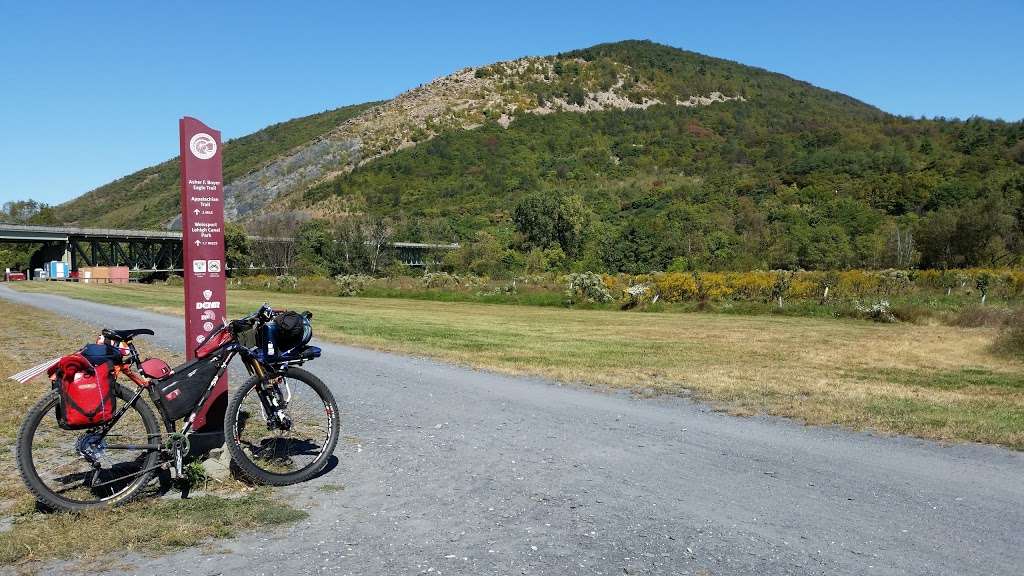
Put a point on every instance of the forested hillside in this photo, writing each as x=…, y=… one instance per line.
x=149, y=198
x=633, y=157
x=792, y=176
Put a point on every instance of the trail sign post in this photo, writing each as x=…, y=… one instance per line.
x=202, y=237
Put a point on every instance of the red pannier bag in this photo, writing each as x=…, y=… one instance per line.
x=86, y=392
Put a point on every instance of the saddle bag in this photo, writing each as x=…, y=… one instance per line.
x=180, y=392
x=86, y=397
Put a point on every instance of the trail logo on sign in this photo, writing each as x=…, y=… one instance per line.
x=207, y=294
x=203, y=146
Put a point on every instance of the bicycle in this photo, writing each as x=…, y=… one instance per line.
x=281, y=426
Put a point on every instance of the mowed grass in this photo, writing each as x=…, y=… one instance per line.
x=932, y=381
x=149, y=525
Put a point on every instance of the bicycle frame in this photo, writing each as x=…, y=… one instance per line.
x=254, y=366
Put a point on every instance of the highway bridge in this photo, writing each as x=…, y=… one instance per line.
x=159, y=250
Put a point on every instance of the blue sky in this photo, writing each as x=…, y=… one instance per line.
x=91, y=91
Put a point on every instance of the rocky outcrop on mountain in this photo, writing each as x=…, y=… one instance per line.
x=462, y=100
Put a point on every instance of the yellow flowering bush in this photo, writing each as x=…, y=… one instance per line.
x=857, y=283
x=714, y=285
x=756, y=285
x=675, y=286
x=804, y=286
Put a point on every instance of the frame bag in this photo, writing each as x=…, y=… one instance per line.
x=180, y=392
x=86, y=397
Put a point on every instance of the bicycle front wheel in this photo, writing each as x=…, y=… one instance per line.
x=74, y=470
x=282, y=430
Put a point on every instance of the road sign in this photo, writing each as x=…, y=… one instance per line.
x=202, y=233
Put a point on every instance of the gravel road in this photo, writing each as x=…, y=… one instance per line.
x=448, y=470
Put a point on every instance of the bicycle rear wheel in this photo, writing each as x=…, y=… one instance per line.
x=74, y=470
x=283, y=431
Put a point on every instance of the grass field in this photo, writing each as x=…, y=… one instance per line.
x=148, y=525
x=931, y=381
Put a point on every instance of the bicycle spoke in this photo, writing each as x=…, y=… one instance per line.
x=85, y=467
x=284, y=449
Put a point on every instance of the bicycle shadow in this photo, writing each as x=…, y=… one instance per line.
x=165, y=484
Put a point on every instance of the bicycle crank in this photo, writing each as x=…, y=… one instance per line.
x=178, y=445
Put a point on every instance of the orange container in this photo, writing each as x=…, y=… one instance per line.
x=94, y=274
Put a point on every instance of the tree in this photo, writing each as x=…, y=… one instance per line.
x=236, y=249
x=546, y=219
x=27, y=212
x=379, y=233
x=351, y=247
x=640, y=247
x=314, y=245
x=274, y=245
x=485, y=256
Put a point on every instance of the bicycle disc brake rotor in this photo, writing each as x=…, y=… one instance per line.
x=91, y=447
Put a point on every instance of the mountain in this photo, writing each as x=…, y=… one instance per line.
x=149, y=198
x=673, y=155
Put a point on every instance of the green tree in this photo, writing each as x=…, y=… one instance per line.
x=314, y=244
x=236, y=249
x=546, y=219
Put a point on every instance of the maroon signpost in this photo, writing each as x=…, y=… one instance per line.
x=202, y=237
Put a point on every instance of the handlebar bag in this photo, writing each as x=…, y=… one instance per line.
x=183, y=390
x=292, y=330
x=85, y=392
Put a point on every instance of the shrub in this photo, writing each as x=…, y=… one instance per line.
x=892, y=282
x=781, y=284
x=440, y=280
x=286, y=283
x=857, y=283
x=912, y=313
x=1010, y=341
x=712, y=285
x=977, y=316
x=174, y=280
x=351, y=284
x=755, y=285
x=1012, y=283
x=319, y=285
x=396, y=269
x=826, y=282
x=805, y=286
x=675, y=286
x=618, y=283
x=879, y=311
x=586, y=287
x=638, y=294
x=983, y=281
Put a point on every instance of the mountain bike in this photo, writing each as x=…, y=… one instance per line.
x=281, y=426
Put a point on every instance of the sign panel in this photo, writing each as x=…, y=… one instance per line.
x=202, y=236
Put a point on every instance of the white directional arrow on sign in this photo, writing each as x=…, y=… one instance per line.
x=196, y=211
x=197, y=242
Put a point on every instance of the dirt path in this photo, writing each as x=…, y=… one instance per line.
x=457, y=471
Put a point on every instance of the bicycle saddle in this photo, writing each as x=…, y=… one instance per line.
x=122, y=335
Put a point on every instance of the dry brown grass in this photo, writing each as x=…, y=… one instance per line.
x=933, y=381
x=31, y=338
x=150, y=527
